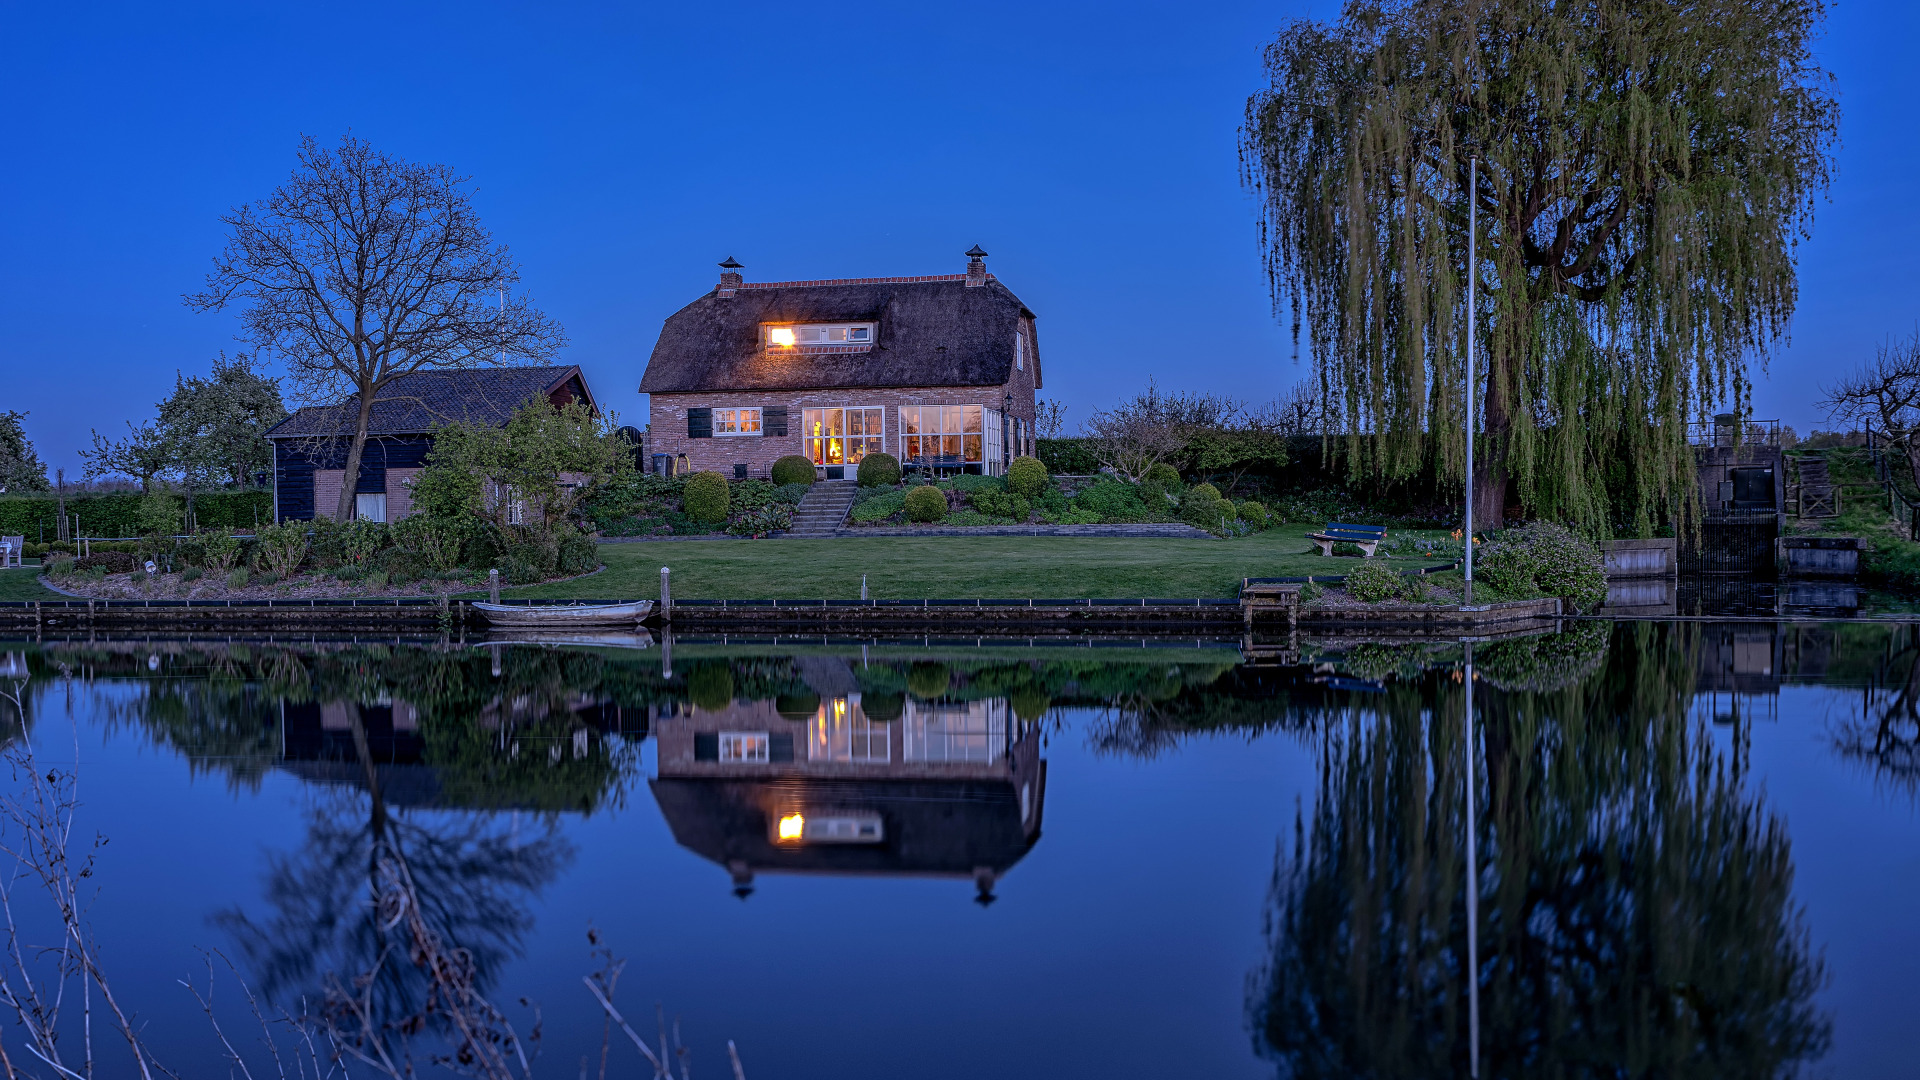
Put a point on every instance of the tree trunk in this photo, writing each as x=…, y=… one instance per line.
x=1490, y=452
x=351, y=479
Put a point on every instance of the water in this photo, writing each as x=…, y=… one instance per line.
x=1696, y=849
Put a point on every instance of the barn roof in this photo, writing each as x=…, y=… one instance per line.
x=426, y=400
x=932, y=331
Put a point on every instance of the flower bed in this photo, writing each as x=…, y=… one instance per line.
x=645, y=505
x=978, y=501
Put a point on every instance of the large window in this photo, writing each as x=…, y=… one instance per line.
x=841, y=732
x=736, y=421
x=744, y=747
x=942, y=436
x=974, y=731
x=842, y=436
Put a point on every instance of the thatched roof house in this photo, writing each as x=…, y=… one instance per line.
x=939, y=371
x=310, y=447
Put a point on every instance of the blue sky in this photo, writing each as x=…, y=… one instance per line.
x=622, y=151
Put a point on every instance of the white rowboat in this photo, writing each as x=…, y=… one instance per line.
x=565, y=616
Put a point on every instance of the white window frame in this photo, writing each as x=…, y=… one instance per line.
x=745, y=747
x=731, y=423
x=363, y=500
x=819, y=334
x=1019, y=351
x=808, y=440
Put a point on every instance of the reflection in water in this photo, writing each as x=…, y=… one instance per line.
x=1587, y=862
x=1637, y=914
x=853, y=776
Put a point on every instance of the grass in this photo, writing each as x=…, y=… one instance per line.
x=960, y=567
x=21, y=583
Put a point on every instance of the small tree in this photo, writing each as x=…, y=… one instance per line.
x=215, y=428
x=1049, y=419
x=364, y=268
x=1884, y=393
x=143, y=455
x=20, y=467
x=527, y=476
x=1149, y=428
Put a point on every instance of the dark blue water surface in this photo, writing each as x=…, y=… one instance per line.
x=1696, y=845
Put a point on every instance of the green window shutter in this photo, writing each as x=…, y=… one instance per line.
x=699, y=423
x=773, y=420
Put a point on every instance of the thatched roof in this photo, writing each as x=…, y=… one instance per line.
x=425, y=400
x=933, y=331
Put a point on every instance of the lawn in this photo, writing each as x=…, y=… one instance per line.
x=1000, y=567
x=21, y=583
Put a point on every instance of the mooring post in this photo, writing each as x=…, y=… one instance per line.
x=493, y=586
x=666, y=654
x=666, y=594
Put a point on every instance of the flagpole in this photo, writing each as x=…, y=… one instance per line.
x=1473, y=274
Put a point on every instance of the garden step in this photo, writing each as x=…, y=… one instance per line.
x=823, y=509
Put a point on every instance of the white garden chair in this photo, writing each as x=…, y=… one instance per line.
x=11, y=548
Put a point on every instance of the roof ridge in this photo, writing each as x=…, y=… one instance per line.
x=855, y=281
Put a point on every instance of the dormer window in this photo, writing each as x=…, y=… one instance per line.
x=788, y=337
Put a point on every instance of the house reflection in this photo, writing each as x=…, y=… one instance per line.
x=910, y=788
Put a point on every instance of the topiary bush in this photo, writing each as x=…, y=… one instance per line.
x=1165, y=475
x=710, y=686
x=1203, y=508
x=925, y=504
x=1372, y=583
x=927, y=680
x=883, y=708
x=794, y=469
x=1027, y=476
x=706, y=497
x=1255, y=514
x=876, y=470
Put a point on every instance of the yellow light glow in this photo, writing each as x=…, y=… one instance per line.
x=791, y=826
x=780, y=335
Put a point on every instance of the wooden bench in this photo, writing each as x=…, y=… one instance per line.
x=11, y=548
x=1269, y=596
x=1365, y=537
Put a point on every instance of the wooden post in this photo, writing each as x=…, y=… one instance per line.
x=493, y=586
x=666, y=594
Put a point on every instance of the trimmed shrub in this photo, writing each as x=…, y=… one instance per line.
x=1371, y=583
x=706, y=497
x=883, y=708
x=1255, y=514
x=925, y=504
x=1203, y=508
x=113, y=562
x=928, y=680
x=710, y=686
x=876, y=470
x=1115, y=500
x=1166, y=476
x=1069, y=457
x=794, y=469
x=1027, y=476
x=798, y=708
x=1030, y=703
x=878, y=506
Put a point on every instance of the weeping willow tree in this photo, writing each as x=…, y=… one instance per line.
x=1647, y=168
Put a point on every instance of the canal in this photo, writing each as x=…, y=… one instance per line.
x=1694, y=851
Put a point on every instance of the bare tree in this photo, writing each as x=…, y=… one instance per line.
x=1884, y=393
x=1299, y=411
x=1149, y=428
x=363, y=268
x=1049, y=419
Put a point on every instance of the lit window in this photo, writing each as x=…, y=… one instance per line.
x=800, y=828
x=842, y=436
x=942, y=436
x=787, y=337
x=841, y=732
x=744, y=747
x=736, y=421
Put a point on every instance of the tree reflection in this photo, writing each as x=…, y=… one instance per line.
x=1884, y=734
x=1636, y=913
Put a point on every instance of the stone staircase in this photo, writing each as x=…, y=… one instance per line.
x=824, y=508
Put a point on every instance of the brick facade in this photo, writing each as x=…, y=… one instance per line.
x=667, y=431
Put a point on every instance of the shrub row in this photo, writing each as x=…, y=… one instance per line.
x=119, y=513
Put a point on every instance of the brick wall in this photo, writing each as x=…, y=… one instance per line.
x=326, y=491
x=400, y=493
x=720, y=453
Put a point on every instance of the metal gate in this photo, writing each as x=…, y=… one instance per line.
x=1735, y=542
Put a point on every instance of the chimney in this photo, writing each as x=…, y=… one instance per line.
x=729, y=278
x=976, y=267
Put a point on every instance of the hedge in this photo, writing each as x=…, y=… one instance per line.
x=117, y=513
x=1069, y=457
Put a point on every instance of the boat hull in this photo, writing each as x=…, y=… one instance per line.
x=564, y=617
